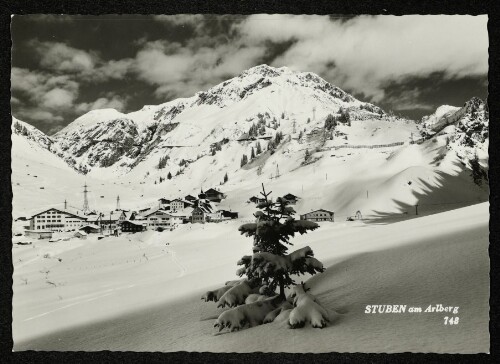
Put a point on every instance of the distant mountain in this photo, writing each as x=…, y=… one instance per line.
x=274, y=97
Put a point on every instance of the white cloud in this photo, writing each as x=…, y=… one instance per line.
x=112, y=101
x=58, y=98
x=368, y=52
x=63, y=58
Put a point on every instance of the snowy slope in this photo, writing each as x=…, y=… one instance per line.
x=205, y=136
x=119, y=293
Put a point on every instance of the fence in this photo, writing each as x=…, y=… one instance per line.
x=369, y=146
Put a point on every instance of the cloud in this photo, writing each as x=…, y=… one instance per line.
x=58, y=98
x=63, y=58
x=369, y=51
x=111, y=101
x=192, y=20
x=38, y=115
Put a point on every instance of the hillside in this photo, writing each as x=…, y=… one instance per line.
x=360, y=158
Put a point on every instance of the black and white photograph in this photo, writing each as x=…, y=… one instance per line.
x=250, y=183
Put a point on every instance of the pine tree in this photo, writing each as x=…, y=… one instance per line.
x=244, y=160
x=478, y=173
x=163, y=162
x=254, y=300
x=272, y=231
x=259, y=148
x=283, y=115
x=169, y=175
x=226, y=178
x=307, y=155
x=252, y=154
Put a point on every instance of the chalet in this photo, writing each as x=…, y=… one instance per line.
x=190, y=198
x=292, y=199
x=179, y=204
x=214, y=195
x=80, y=235
x=162, y=218
x=202, y=195
x=125, y=215
x=199, y=214
x=256, y=200
x=133, y=226
x=39, y=234
x=91, y=229
x=163, y=203
x=56, y=219
x=227, y=215
x=318, y=215
x=109, y=220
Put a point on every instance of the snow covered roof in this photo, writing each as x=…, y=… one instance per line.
x=92, y=226
x=69, y=211
x=310, y=212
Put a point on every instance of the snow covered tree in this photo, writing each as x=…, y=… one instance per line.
x=330, y=122
x=169, y=175
x=259, y=148
x=254, y=300
x=478, y=173
x=163, y=162
x=269, y=265
x=252, y=153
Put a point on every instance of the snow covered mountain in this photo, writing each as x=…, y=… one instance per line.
x=292, y=131
x=466, y=128
x=276, y=98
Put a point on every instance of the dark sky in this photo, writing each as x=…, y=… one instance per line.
x=64, y=66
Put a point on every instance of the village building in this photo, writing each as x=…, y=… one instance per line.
x=133, y=226
x=38, y=234
x=214, y=195
x=80, y=235
x=91, y=229
x=199, y=214
x=179, y=204
x=162, y=218
x=56, y=219
x=164, y=203
x=318, y=215
x=190, y=198
x=256, y=200
x=292, y=199
x=228, y=215
x=126, y=215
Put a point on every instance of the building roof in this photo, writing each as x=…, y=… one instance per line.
x=290, y=195
x=82, y=233
x=69, y=211
x=92, y=226
x=330, y=212
x=154, y=211
x=212, y=190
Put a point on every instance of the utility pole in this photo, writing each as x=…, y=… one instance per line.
x=65, y=205
x=85, y=199
x=277, y=171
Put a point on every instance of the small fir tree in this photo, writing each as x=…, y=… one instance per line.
x=226, y=178
x=252, y=153
x=169, y=175
x=259, y=148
